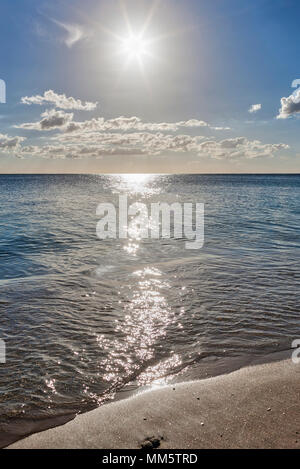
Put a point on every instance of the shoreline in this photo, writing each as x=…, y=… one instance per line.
x=247, y=408
x=15, y=430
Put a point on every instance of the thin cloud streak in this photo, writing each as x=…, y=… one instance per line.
x=74, y=33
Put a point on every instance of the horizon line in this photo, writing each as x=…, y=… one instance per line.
x=150, y=174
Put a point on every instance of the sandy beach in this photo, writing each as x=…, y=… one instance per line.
x=255, y=407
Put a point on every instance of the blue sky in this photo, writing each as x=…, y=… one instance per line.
x=200, y=66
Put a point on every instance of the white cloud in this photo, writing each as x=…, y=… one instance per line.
x=290, y=105
x=221, y=128
x=99, y=145
x=193, y=123
x=254, y=108
x=60, y=101
x=128, y=136
x=10, y=143
x=74, y=33
x=65, y=122
x=51, y=119
x=240, y=147
x=131, y=123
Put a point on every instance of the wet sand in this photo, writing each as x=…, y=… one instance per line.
x=255, y=407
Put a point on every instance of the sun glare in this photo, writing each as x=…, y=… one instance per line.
x=135, y=46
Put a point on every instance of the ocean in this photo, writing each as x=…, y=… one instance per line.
x=86, y=320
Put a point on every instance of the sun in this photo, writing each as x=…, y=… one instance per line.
x=135, y=46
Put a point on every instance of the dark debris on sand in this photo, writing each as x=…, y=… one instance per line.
x=151, y=442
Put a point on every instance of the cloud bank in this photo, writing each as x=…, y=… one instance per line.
x=123, y=136
x=64, y=121
x=148, y=144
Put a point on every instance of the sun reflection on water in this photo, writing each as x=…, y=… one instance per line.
x=134, y=184
x=138, y=188
x=133, y=353
x=147, y=315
